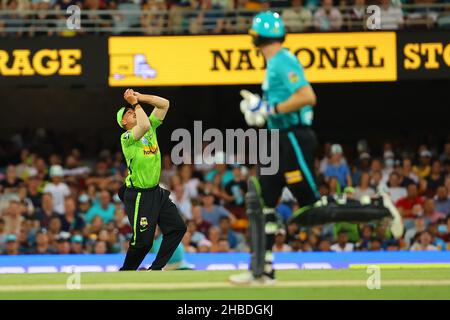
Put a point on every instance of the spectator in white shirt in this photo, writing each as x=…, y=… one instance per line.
x=364, y=188
x=342, y=244
x=297, y=18
x=394, y=189
x=326, y=157
x=190, y=183
x=57, y=188
x=182, y=202
x=280, y=245
x=391, y=16
x=328, y=18
x=423, y=243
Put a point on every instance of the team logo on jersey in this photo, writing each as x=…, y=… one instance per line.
x=143, y=223
x=144, y=141
x=293, y=77
x=126, y=135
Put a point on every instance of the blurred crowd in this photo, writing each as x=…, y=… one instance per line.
x=54, y=202
x=156, y=17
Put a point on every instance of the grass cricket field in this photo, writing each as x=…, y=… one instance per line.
x=292, y=284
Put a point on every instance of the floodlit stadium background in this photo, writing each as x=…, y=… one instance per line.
x=382, y=95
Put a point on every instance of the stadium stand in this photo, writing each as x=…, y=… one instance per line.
x=25, y=18
x=61, y=202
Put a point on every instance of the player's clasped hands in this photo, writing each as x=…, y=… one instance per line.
x=137, y=95
x=130, y=97
x=255, y=109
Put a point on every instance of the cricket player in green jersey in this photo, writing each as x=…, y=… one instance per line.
x=147, y=205
x=287, y=105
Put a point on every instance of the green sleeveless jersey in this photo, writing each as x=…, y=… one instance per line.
x=143, y=157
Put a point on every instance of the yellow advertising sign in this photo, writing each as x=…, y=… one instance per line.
x=43, y=62
x=232, y=59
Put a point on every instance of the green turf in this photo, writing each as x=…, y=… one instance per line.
x=219, y=277
x=430, y=292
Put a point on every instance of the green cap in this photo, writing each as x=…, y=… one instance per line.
x=120, y=116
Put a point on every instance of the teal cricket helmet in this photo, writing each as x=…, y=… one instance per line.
x=266, y=27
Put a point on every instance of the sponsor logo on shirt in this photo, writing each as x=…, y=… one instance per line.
x=149, y=150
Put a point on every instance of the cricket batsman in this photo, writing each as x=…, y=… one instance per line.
x=287, y=105
x=146, y=203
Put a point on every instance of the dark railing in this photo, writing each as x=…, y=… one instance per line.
x=189, y=21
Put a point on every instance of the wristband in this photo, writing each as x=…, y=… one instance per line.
x=134, y=105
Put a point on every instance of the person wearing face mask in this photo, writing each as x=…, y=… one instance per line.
x=389, y=163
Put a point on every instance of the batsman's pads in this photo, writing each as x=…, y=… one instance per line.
x=329, y=212
x=257, y=227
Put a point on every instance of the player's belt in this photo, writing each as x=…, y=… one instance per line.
x=143, y=189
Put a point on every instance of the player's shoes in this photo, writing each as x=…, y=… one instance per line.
x=397, y=227
x=247, y=278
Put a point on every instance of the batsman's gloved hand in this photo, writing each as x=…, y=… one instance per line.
x=255, y=109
